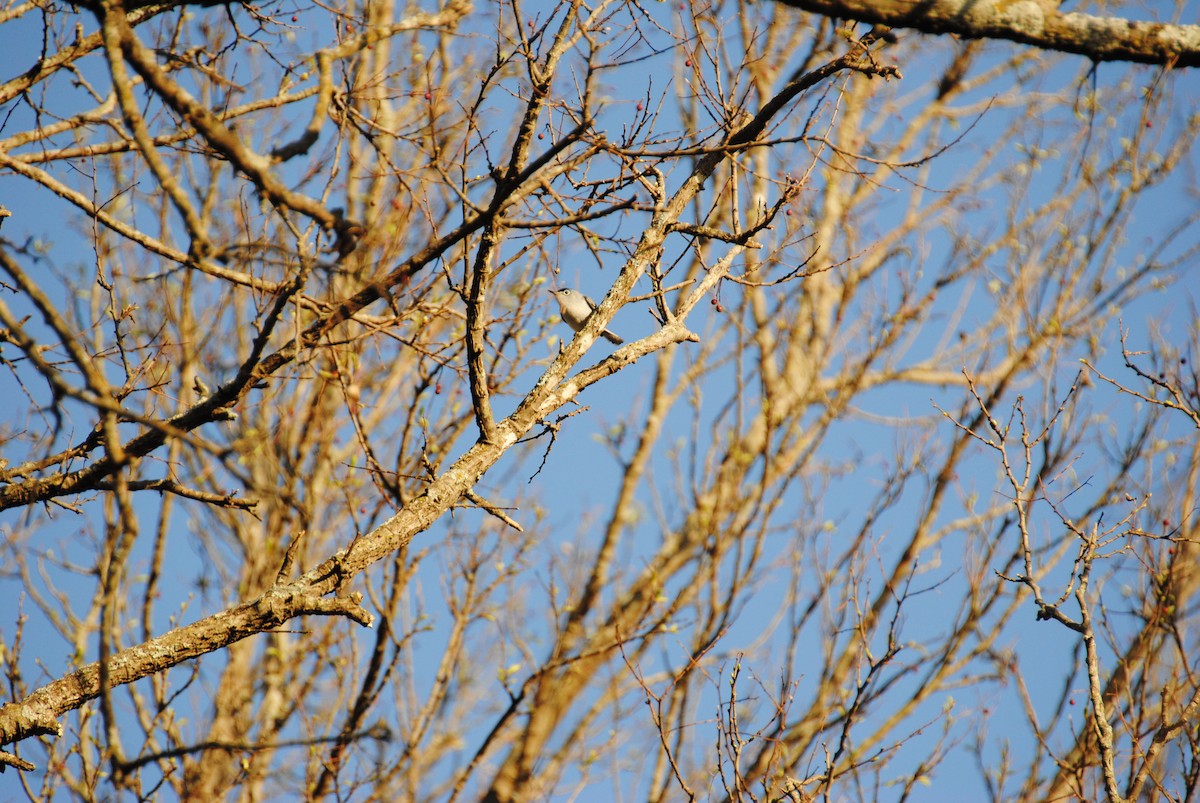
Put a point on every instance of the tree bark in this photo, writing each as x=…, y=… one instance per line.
x=1031, y=22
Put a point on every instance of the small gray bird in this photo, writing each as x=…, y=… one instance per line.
x=576, y=308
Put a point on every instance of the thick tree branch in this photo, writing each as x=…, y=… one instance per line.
x=1030, y=22
x=38, y=713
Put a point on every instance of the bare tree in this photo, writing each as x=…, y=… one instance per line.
x=898, y=462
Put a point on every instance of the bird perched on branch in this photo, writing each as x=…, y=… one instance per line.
x=576, y=308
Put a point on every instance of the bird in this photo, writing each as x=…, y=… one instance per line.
x=576, y=308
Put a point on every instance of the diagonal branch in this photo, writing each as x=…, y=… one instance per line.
x=1031, y=22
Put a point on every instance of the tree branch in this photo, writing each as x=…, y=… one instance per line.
x=1030, y=22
